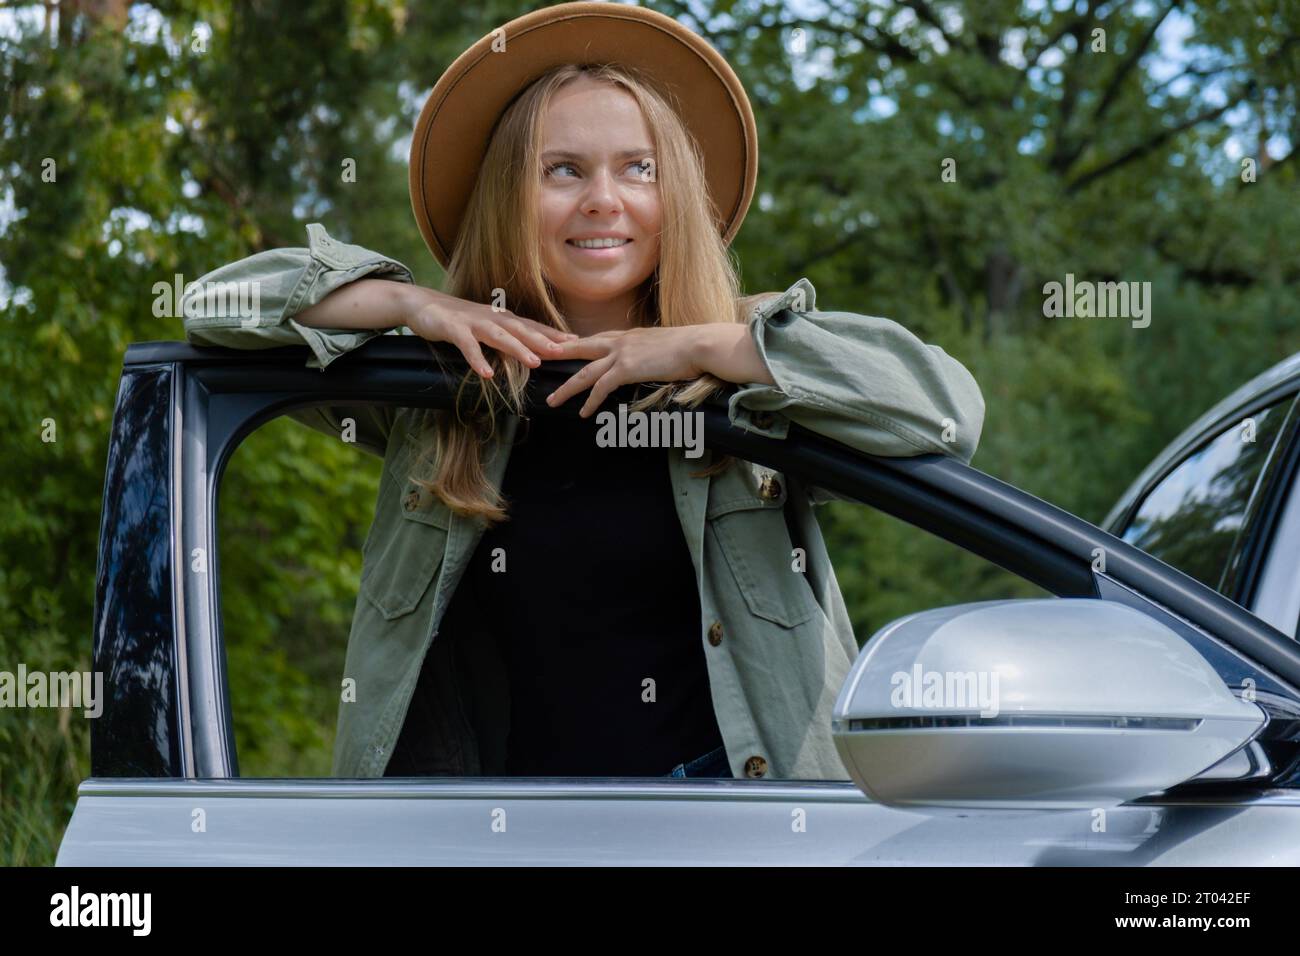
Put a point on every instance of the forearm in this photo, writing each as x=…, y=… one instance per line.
x=727, y=351
x=367, y=304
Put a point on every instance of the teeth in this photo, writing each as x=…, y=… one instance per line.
x=599, y=243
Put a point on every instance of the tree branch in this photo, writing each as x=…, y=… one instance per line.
x=1130, y=62
x=1142, y=149
x=950, y=284
x=925, y=13
x=1199, y=73
x=1065, y=157
x=1059, y=160
x=839, y=245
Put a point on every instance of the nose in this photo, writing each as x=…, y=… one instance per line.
x=601, y=194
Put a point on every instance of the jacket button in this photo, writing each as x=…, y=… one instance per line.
x=715, y=633
x=770, y=488
x=763, y=419
x=755, y=766
x=412, y=500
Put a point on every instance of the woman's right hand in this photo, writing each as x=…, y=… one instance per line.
x=470, y=325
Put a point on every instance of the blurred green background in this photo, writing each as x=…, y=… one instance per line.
x=144, y=140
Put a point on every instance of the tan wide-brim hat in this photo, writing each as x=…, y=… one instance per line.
x=451, y=135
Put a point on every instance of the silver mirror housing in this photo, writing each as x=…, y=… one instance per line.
x=1054, y=703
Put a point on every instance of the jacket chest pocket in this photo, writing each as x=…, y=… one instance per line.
x=406, y=543
x=747, y=519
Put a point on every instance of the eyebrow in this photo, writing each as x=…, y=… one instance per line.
x=621, y=154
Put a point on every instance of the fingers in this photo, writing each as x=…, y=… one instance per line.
x=494, y=334
x=545, y=340
x=469, y=347
x=581, y=380
x=514, y=334
x=591, y=347
x=608, y=381
x=468, y=325
x=543, y=331
x=497, y=336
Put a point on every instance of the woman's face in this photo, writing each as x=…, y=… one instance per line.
x=598, y=181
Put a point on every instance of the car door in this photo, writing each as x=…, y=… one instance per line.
x=165, y=787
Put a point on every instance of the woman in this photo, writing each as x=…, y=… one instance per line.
x=535, y=603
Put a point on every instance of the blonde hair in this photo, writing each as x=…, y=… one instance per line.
x=499, y=247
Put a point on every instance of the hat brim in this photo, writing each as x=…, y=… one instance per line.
x=452, y=132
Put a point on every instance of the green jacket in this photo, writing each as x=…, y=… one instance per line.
x=778, y=641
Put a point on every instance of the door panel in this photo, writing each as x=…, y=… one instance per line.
x=125, y=823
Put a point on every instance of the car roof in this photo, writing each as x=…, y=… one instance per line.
x=1264, y=387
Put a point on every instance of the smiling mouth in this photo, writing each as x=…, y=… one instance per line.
x=597, y=244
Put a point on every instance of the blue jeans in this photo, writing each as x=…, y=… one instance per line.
x=712, y=764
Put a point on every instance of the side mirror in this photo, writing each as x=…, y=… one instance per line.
x=1054, y=703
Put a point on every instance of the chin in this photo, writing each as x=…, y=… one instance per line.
x=597, y=287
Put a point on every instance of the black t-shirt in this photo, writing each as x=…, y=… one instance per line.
x=597, y=597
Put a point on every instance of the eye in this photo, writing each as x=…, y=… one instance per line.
x=640, y=167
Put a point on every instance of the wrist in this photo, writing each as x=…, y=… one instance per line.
x=408, y=301
x=715, y=347
x=703, y=349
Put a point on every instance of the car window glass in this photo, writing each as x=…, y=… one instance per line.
x=1192, y=518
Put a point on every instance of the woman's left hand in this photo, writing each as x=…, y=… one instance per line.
x=657, y=355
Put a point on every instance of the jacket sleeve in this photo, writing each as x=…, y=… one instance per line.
x=250, y=304
x=861, y=380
